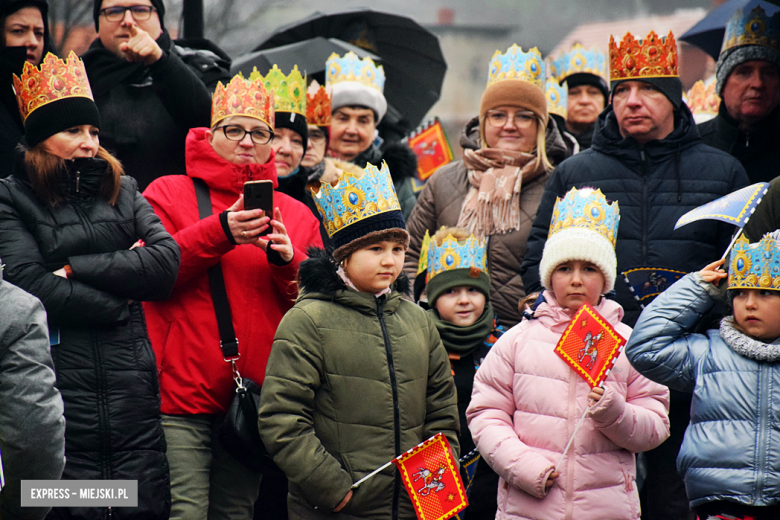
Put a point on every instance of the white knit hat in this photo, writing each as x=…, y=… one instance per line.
x=584, y=227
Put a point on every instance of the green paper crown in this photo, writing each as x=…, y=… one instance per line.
x=289, y=91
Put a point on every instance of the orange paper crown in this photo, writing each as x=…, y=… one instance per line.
x=652, y=57
x=242, y=97
x=55, y=80
x=318, y=103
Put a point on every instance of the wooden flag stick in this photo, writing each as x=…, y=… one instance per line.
x=733, y=240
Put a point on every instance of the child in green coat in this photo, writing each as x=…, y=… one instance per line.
x=357, y=374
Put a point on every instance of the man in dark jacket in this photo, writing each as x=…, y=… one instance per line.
x=149, y=89
x=748, y=82
x=648, y=156
x=32, y=427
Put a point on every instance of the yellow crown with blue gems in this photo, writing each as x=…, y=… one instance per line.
x=756, y=266
x=579, y=61
x=451, y=254
x=586, y=208
x=557, y=98
x=753, y=28
x=289, y=91
x=355, y=198
x=352, y=68
x=516, y=64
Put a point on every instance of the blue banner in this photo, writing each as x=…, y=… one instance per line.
x=734, y=208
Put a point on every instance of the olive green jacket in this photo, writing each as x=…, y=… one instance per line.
x=352, y=382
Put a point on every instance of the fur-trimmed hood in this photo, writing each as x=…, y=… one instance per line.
x=318, y=275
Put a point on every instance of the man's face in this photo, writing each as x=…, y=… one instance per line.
x=112, y=34
x=351, y=131
x=752, y=91
x=585, y=104
x=643, y=112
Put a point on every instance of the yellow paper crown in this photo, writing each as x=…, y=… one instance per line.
x=53, y=81
x=289, y=91
x=451, y=254
x=242, y=97
x=702, y=99
x=516, y=64
x=355, y=198
x=652, y=57
x=318, y=105
x=756, y=266
x=586, y=208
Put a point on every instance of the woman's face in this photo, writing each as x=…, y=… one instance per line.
x=511, y=128
x=24, y=28
x=315, y=151
x=251, y=148
x=288, y=147
x=75, y=142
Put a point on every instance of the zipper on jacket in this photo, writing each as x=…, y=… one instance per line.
x=763, y=426
x=380, y=308
x=643, y=165
x=78, y=180
x=103, y=430
x=747, y=139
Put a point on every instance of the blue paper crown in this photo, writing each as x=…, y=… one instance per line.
x=451, y=254
x=586, y=209
x=756, y=266
x=753, y=28
x=516, y=64
x=557, y=98
x=352, y=68
x=354, y=199
x=579, y=61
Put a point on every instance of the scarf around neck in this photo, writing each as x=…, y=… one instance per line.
x=746, y=346
x=492, y=204
x=463, y=340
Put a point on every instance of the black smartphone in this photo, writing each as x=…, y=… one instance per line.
x=260, y=195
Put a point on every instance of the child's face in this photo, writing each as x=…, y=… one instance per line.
x=373, y=268
x=462, y=305
x=757, y=313
x=576, y=282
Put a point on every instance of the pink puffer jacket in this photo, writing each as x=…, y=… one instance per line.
x=525, y=406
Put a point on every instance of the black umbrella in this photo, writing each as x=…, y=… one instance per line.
x=310, y=56
x=709, y=32
x=410, y=54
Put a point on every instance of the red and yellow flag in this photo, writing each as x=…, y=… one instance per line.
x=432, y=479
x=431, y=147
x=590, y=345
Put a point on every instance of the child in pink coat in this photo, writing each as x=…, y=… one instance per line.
x=527, y=401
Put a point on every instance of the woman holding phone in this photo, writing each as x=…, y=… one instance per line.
x=259, y=272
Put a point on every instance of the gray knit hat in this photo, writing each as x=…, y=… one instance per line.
x=730, y=58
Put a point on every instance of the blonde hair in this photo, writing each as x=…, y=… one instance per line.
x=458, y=233
x=541, y=141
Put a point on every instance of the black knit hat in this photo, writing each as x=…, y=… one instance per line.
x=585, y=78
x=157, y=4
x=376, y=228
x=295, y=122
x=671, y=87
x=54, y=117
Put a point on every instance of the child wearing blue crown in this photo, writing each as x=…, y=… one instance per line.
x=357, y=374
x=730, y=457
x=527, y=401
x=453, y=266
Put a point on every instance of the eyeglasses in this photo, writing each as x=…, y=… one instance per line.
x=520, y=119
x=316, y=136
x=237, y=133
x=140, y=13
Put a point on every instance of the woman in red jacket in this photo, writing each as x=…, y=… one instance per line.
x=196, y=384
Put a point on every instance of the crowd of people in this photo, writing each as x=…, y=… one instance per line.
x=140, y=290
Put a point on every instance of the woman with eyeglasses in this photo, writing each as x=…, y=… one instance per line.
x=259, y=272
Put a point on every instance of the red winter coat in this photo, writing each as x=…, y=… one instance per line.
x=194, y=379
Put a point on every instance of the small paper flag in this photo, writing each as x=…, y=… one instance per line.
x=431, y=147
x=647, y=282
x=590, y=345
x=468, y=468
x=432, y=479
x=734, y=208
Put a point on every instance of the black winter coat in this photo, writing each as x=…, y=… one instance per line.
x=758, y=150
x=104, y=362
x=655, y=185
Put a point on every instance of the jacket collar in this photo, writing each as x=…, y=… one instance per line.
x=204, y=163
x=729, y=137
x=554, y=317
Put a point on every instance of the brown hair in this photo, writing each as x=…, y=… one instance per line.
x=44, y=168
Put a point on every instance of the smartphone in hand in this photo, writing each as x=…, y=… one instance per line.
x=260, y=195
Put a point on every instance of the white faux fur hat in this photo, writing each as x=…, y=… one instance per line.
x=578, y=244
x=348, y=93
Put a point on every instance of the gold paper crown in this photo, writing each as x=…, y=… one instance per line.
x=352, y=68
x=354, y=198
x=516, y=64
x=242, y=97
x=756, y=266
x=702, y=98
x=557, y=98
x=752, y=28
x=55, y=80
x=451, y=254
x=289, y=91
x=586, y=208
x=652, y=57
x=577, y=61
x=318, y=105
